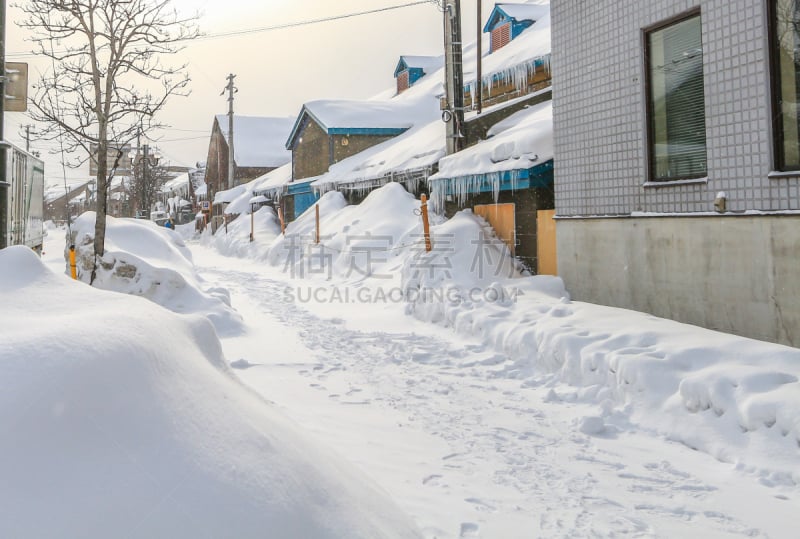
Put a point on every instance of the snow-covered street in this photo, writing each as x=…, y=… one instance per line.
x=462, y=447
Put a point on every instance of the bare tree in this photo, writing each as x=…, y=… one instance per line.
x=107, y=80
x=149, y=176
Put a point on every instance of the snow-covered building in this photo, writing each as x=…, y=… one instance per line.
x=408, y=159
x=507, y=21
x=412, y=68
x=508, y=180
x=64, y=202
x=258, y=148
x=328, y=131
x=506, y=172
x=678, y=177
x=518, y=62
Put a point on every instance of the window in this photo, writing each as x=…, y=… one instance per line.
x=402, y=82
x=676, y=104
x=786, y=81
x=501, y=36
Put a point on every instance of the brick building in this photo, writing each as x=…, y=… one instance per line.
x=329, y=131
x=258, y=149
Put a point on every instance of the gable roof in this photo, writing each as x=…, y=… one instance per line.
x=518, y=12
x=258, y=140
x=351, y=117
x=426, y=63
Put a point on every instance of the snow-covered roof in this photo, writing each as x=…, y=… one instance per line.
x=426, y=63
x=258, y=141
x=523, y=11
x=352, y=117
x=258, y=199
x=417, y=148
x=227, y=196
x=521, y=141
x=274, y=180
x=511, y=62
x=180, y=181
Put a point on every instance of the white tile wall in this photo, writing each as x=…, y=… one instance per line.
x=599, y=109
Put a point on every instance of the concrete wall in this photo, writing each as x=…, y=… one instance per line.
x=734, y=274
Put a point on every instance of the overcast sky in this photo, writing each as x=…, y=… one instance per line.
x=277, y=71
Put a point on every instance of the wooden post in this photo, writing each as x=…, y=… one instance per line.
x=252, y=224
x=426, y=226
x=283, y=222
x=317, y=212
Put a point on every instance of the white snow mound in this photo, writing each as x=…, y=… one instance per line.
x=126, y=421
x=147, y=260
x=370, y=239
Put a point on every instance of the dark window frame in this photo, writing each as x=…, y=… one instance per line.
x=650, y=113
x=778, y=151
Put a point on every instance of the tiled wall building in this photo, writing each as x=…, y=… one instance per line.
x=678, y=175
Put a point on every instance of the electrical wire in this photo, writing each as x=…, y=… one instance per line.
x=236, y=33
x=309, y=21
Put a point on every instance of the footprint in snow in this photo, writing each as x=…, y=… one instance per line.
x=241, y=364
x=469, y=529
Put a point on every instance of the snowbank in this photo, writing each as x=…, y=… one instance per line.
x=236, y=241
x=467, y=263
x=147, y=260
x=737, y=399
x=368, y=240
x=734, y=398
x=125, y=420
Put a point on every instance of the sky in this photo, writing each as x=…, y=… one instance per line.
x=276, y=71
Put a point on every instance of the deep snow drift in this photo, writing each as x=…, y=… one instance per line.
x=734, y=398
x=119, y=417
x=147, y=260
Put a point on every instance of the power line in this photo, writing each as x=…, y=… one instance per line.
x=310, y=21
x=236, y=33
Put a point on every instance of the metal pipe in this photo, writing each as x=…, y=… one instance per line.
x=4, y=183
x=477, y=99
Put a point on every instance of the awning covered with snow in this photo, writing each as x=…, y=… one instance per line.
x=227, y=196
x=408, y=158
x=273, y=183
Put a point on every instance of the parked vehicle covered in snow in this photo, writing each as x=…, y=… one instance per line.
x=24, y=212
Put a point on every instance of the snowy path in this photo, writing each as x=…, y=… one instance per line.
x=465, y=450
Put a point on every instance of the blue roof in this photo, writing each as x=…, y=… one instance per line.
x=426, y=63
x=516, y=12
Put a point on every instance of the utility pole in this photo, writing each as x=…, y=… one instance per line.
x=145, y=187
x=4, y=184
x=231, y=89
x=454, y=75
x=28, y=138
